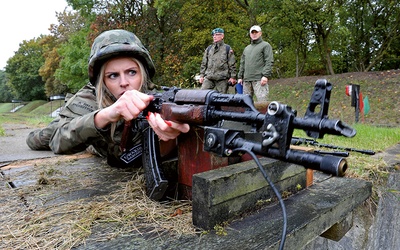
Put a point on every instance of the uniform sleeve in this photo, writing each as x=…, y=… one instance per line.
x=268, y=60
x=241, y=67
x=75, y=129
x=74, y=134
x=203, y=66
x=232, y=64
x=39, y=139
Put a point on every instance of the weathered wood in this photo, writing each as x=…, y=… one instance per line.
x=310, y=213
x=222, y=194
x=338, y=230
x=385, y=233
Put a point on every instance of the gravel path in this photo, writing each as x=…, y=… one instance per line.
x=14, y=148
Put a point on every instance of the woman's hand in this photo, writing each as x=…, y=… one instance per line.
x=127, y=107
x=166, y=130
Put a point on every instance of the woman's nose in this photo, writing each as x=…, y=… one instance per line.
x=124, y=81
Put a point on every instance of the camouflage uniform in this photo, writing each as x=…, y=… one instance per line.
x=217, y=66
x=74, y=130
x=256, y=61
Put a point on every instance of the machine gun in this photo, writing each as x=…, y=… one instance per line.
x=270, y=134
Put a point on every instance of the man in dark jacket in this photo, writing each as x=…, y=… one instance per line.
x=218, y=66
x=256, y=66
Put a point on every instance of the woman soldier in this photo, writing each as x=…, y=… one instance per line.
x=120, y=69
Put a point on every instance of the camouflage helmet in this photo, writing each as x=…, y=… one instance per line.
x=114, y=43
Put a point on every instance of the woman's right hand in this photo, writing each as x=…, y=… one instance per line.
x=127, y=107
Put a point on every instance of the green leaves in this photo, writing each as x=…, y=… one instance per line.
x=22, y=71
x=73, y=68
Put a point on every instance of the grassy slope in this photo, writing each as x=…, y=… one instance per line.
x=382, y=89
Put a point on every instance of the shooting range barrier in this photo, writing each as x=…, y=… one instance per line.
x=224, y=189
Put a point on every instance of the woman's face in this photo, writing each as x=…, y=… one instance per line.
x=122, y=74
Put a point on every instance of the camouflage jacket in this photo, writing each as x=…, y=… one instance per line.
x=218, y=63
x=74, y=130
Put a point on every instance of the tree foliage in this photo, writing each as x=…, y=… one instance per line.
x=51, y=64
x=5, y=90
x=308, y=37
x=22, y=71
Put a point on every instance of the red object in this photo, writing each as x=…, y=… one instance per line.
x=193, y=159
x=348, y=90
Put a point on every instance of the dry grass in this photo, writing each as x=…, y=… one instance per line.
x=41, y=224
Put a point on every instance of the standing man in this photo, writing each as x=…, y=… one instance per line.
x=218, y=67
x=256, y=66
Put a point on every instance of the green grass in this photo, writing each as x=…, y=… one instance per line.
x=39, y=107
x=35, y=113
x=382, y=89
x=29, y=107
x=26, y=118
x=370, y=137
x=6, y=107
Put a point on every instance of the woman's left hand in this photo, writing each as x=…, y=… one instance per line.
x=166, y=130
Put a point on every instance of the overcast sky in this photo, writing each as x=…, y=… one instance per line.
x=24, y=20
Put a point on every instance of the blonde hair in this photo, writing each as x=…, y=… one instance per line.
x=105, y=98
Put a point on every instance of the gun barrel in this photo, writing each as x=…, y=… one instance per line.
x=329, y=164
x=324, y=126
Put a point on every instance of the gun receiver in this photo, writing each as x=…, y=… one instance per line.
x=271, y=133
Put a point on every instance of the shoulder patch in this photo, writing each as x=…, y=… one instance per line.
x=80, y=108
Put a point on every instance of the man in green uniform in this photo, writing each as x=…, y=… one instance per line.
x=218, y=67
x=256, y=66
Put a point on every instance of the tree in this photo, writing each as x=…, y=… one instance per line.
x=289, y=33
x=66, y=63
x=51, y=64
x=73, y=68
x=5, y=91
x=22, y=71
x=374, y=30
x=308, y=37
x=198, y=19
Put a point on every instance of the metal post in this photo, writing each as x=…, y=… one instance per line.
x=355, y=100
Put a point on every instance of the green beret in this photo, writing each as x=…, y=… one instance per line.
x=217, y=30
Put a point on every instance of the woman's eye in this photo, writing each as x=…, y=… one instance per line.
x=112, y=76
x=132, y=72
